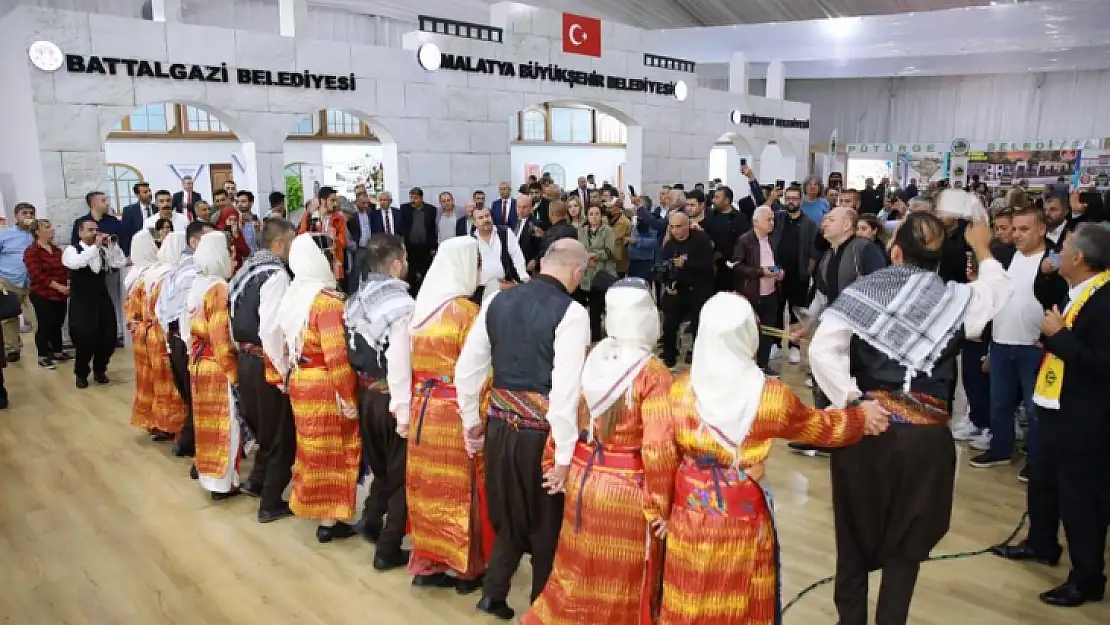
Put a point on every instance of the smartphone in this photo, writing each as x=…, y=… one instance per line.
x=631, y=191
x=780, y=184
x=743, y=162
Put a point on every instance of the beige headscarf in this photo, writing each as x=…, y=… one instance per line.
x=144, y=255
x=312, y=273
x=727, y=383
x=454, y=273
x=632, y=325
x=173, y=246
x=213, y=263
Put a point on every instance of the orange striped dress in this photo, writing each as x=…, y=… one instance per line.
x=445, y=488
x=213, y=365
x=134, y=314
x=722, y=549
x=607, y=567
x=325, y=472
x=169, y=408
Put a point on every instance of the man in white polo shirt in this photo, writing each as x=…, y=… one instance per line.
x=1015, y=351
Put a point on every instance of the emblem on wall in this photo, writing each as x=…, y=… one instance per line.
x=961, y=147
x=46, y=55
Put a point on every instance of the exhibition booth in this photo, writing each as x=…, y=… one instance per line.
x=449, y=111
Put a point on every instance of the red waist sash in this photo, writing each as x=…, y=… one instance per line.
x=252, y=349
x=588, y=454
x=521, y=410
x=706, y=485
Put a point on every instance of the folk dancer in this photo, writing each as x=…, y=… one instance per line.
x=444, y=485
x=893, y=336
x=93, y=331
x=144, y=255
x=607, y=558
x=170, y=309
x=535, y=337
x=168, y=405
x=378, y=317
x=213, y=370
x=255, y=305
x=722, y=565
x=322, y=391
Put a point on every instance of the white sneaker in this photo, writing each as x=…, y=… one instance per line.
x=795, y=356
x=1019, y=433
x=982, y=442
x=776, y=351
x=965, y=431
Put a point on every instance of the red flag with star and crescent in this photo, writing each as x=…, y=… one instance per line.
x=581, y=35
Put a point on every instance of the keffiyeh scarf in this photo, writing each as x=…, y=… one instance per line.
x=262, y=262
x=907, y=313
x=379, y=303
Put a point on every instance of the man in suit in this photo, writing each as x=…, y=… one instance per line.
x=185, y=199
x=421, y=237
x=581, y=191
x=1069, y=477
x=359, y=230
x=464, y=226
x=387, y=218
x=135, y=214
x=527, y=232
x=539, y=205
x=504, y=207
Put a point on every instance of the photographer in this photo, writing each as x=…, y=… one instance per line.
x=686, y=271
x=93, y=332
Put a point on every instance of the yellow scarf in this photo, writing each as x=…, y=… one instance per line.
x=1050, y=377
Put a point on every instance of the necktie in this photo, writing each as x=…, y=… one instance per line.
x=388, y=221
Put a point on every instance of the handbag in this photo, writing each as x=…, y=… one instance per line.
x=9, y=305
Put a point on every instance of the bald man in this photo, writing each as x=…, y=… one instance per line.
x=687, y=284
x=534, y=336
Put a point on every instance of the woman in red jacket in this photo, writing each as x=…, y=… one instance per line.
x=49, y=292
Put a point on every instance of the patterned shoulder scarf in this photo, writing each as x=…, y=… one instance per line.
x=262, y=262
x=907, y=313
x=371, y=312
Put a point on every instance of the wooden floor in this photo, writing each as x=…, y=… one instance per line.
x=99, y=526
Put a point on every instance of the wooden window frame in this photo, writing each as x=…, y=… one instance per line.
x=178, y=128
x=546, y=109
x=366, y=135
x=115, y=182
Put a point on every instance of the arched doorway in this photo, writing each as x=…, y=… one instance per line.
x=173, y=145
x=343, y=149
x=728, y=155
x=575, y=139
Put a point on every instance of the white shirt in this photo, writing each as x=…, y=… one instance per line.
x=180, y=222
x=89, y=256
x=572, y=336
x=269, y=321
x=398, y=375
x=828, y=352
x=1076, y=291
x=1057, y=232
x=1019, y=321
x=492, y=269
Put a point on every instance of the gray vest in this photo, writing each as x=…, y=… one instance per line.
x=848, y=271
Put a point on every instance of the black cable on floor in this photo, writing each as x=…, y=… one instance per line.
x=950, y=556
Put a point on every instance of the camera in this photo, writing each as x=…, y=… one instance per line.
x=665, y=271
x=113, y=239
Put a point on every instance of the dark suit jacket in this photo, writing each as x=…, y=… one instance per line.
x=180, y=205
x=130, y=224
x=554, y=232
x=354, y=227
x=747, y=271
x=498, y=213
x=377, y=224
x=428, y=212
x=461, y=229
x=529, y=243
x=1083, y=421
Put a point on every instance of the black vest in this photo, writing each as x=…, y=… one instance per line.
x=85, y=285
x=244, y=316
x=521, y=324
x=874, y=371
x=366, y=359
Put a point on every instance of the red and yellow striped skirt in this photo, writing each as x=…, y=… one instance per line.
x=607, y=566
x=329, y=449
x=212, y=418
x=142, y=408
x=721, y=551
x=444, y=487
x=169, y=407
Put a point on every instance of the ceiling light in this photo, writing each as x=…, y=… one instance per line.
x=429, y=57
x=841, y=27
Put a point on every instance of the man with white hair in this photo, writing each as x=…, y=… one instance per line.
x=759, y=279
x=534, y=336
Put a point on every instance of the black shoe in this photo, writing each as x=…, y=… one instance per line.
x=161, y=437
x=119, y=343
x=807, y=450
x=988, y=459
x=435, y=580
x=250, y=488
x=12, y=356
x=369, y=530
x=47, y=363
x=389, y=561
x=183, y=451
x=469, y=586
x=1023, y=475
x=222, y=496
x=101, y=378
x=500, y=609
x=1021, y=552
x=338, y=531
x=82, y=382
x=770, y=372
x=193, y=474
x=1071, y=596
x=690, y=357
x=277, y=514
x=62, y=357
x=3, y=403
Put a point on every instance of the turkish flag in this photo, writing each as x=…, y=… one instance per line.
x=581, y=35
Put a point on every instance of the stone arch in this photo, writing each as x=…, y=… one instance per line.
x=386, y=139
x=232, y=122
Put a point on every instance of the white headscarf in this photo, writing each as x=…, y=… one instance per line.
x=454, y=273
x=213, y=267
x=312, y=273
x=144, y=255
x=727, y=383
x=632, y=325
x=173, y=246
